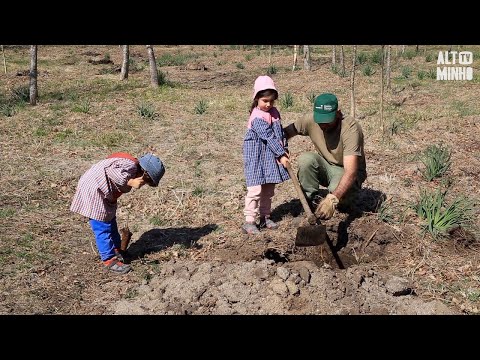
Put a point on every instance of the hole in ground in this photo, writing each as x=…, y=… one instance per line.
x=275, y=255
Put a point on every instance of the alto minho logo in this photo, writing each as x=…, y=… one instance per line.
x=455, y=72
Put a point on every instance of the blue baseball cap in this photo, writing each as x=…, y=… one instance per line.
x=153, y=166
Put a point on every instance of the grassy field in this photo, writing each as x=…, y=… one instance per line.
x=195, y=122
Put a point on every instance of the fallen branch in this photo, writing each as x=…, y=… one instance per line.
x=93, y=249
x=370, y=238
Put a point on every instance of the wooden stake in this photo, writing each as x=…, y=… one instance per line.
x=4, y=61
x=381, y=95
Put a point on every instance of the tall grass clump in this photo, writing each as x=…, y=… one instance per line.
x=21, y=93
x=201, y=107
x=146, y=110
x=441, y=217
x=82, y=107
x=162, y=78
x=287, y=100
x=361, y=58
x=436, y=160
x=271, y=70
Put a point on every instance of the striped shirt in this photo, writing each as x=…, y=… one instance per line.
x=263, y=144
x=100, y=186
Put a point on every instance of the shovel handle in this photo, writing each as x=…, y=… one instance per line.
x=312, y=219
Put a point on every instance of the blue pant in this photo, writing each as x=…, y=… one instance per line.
x=106, y=237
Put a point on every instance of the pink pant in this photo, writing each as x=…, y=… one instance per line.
x=258, y=198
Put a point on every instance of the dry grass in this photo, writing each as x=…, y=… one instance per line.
x=48, y=263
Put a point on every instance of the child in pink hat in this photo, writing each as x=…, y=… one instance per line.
x=265, y=156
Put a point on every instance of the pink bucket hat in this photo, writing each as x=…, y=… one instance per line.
x=263, y=83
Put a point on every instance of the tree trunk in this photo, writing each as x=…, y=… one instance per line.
x=270, y=55
x=153, y=66
x=306, y=57
x=381, y=94
x=4, y=61
x=352, y=83
x=334, y=55
x=125, y=63
x=295, y=55
x=33, y=75
x=403, y=49
x=388, y=69
x=342, y=61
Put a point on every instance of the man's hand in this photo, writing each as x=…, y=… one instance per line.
x=327, y=206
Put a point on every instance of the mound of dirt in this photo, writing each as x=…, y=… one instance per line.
x=266, y=287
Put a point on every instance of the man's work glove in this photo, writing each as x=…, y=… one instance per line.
x=327, y=206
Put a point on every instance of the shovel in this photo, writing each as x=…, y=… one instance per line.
x=313, y=234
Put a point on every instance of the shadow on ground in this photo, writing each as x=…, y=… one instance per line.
x=159, y=239
x=292, y=207
x=368, y=200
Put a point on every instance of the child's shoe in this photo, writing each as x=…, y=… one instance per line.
x=123, y=255
x=116, y=266
x=265, y=222
x=250, y=228
x=119, y=255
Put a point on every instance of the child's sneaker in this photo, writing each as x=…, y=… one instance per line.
x=119, y=255
x=267, y=223
x=250, y=228
x=123, y=255
x=116, y=266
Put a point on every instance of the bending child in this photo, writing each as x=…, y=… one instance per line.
x=96, y=198
x=265, y=156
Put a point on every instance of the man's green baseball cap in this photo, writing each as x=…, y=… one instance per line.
x=325, y=108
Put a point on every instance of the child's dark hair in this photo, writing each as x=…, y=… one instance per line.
x=263, y=93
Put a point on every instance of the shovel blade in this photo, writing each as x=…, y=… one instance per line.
x=311, y=235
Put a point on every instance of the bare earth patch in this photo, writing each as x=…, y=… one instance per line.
x=188, y=253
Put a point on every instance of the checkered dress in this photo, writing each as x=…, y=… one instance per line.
x=263, y=144
x=99, y=188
